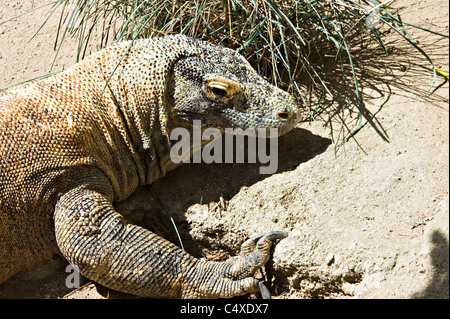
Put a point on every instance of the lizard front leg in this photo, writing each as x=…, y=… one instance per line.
x=129, y=258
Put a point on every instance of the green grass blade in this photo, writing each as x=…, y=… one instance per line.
x=32, y=10
x=286, y=19
x=41, y=77
x=161, y=202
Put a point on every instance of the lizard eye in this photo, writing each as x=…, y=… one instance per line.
x=219, y=92
x=221, y=89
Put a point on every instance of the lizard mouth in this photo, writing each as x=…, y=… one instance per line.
x=284, y=121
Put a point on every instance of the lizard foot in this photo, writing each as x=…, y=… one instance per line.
x=233, y=277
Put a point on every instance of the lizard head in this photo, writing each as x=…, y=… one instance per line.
x=219, y=87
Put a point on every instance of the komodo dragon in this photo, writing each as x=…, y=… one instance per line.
x=78, y=141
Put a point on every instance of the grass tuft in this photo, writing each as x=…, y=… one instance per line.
x=292, y=43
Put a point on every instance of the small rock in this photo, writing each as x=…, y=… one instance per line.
x=349, y=289
x=329, y=259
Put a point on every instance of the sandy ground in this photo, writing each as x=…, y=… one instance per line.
x=369, y=219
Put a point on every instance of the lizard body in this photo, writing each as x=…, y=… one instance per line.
x=74, y=143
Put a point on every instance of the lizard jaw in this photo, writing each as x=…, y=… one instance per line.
x=282, y=120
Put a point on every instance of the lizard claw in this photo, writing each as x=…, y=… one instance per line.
x=265, y=293
x=254, y=253
x=273, y=235
x=250, y=244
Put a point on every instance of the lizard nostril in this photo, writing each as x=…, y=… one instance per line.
x=283, y=115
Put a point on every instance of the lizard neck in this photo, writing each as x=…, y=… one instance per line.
x=135, y=115
x=136, y=103
x=141, y=124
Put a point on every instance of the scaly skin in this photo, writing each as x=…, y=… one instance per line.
x=76, y=142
